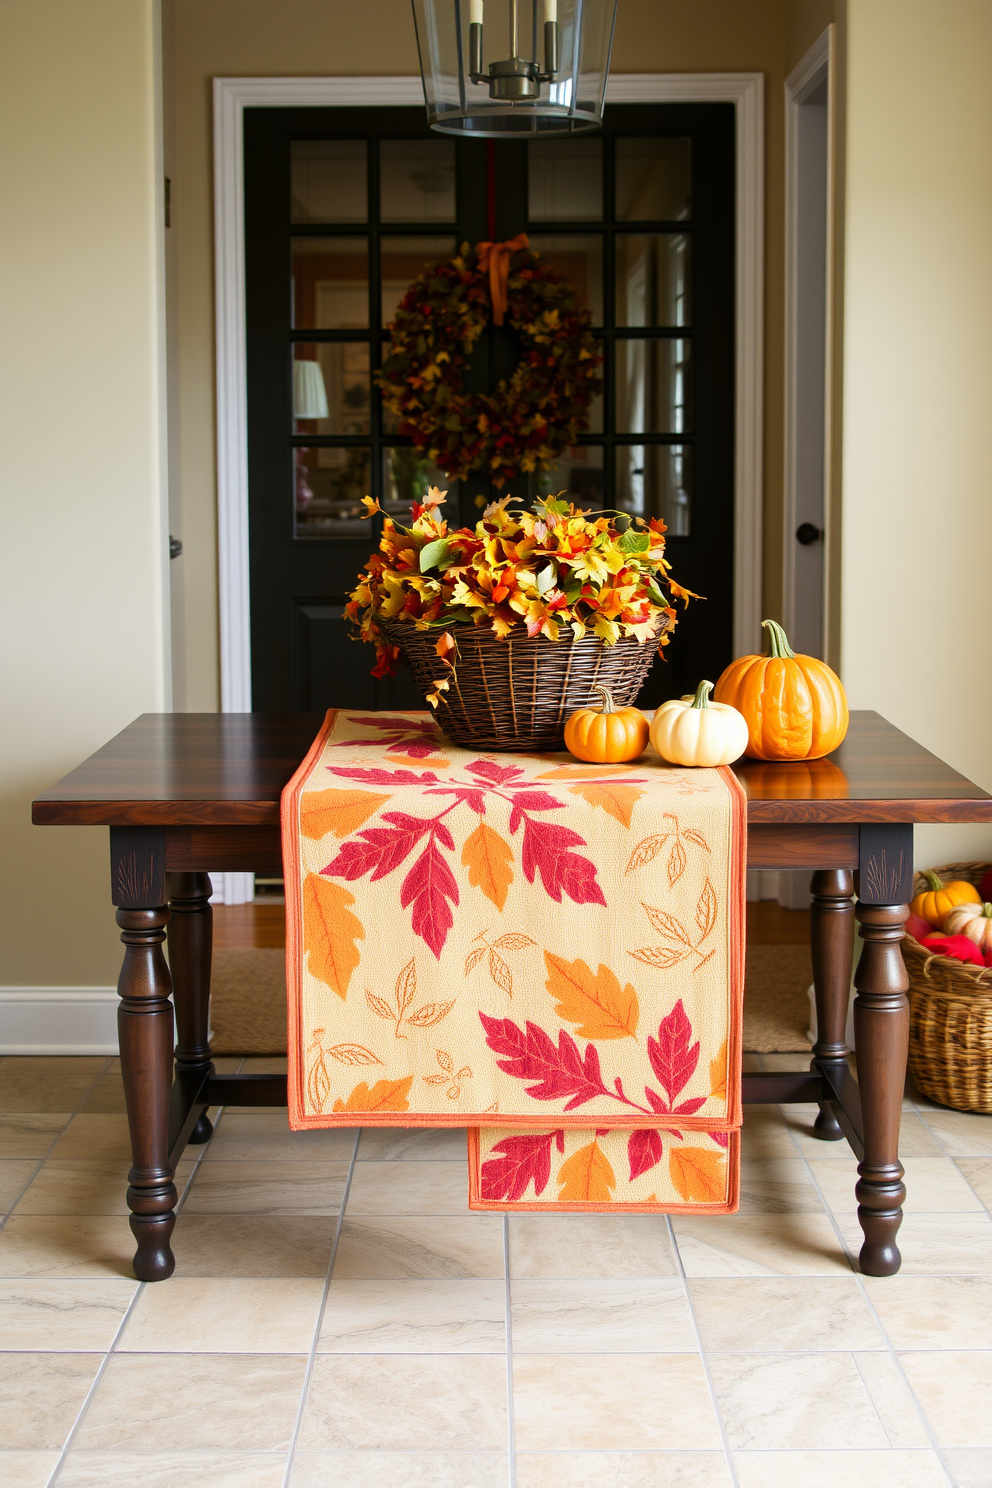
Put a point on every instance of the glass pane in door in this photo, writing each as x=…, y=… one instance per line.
x=652, y=180
x=331, y=387
x=653, y=280
x=417, y=180
x=565, y=180
x=330, y=284
x=578, y=473
x=655, y=480
x=653, y=387
x=328, y=486
x=328, y=181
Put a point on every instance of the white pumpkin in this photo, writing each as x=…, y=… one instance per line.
x=694, y=731
x=972, y=920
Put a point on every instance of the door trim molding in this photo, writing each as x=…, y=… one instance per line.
x=233, y=95
x=817, y=65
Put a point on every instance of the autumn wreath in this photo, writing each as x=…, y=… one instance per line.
x=531, y=419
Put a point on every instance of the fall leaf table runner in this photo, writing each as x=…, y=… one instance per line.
x=548, y=953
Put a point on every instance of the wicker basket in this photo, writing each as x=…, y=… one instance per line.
x=517, y=693
x=950, y=1024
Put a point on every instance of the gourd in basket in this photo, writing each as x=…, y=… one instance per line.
x=508, y=627
x=950, y=1006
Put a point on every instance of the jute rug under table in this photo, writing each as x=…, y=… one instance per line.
x=248, y=1003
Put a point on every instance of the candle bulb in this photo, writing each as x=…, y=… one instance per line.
x=475, y=13
x=550, y=11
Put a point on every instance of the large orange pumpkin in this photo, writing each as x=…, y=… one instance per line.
x=794, y=705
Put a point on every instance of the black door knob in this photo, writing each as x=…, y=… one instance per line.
x=806, y=533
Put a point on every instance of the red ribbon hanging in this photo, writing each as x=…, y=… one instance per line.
x=496, y=258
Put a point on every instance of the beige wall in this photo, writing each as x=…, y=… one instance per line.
x=82, y=540
x=335, y=37
x=918, y=373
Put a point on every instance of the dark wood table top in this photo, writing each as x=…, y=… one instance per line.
x=191, y=769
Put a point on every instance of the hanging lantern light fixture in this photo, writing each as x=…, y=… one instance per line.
x=498, y=68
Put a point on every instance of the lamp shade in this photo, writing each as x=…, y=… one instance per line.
x=309, y=392
x=500, y=68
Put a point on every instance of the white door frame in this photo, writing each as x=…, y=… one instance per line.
x=817, y=66
x=232, y=96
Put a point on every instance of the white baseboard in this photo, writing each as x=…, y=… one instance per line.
x=232, y=888
x=58, y=1020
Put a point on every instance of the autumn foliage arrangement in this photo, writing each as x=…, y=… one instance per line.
x=540, y=572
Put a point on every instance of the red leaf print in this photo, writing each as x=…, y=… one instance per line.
x=544, y=851
x=386, y=777
x=654, y=1100
x=690, y=1107
x=522, y=1160
x=470, y=796
x=428, y=886
x=672, y=1060
x=536, y=800
x=720, y=1138
x=531, y=1055
x=377, y=849
x=498, y=774
x=394, y=725
x=643, y=1152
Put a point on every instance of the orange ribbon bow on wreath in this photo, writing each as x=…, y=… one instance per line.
x=496, y=258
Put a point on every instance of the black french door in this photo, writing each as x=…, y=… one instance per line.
x=343, y=207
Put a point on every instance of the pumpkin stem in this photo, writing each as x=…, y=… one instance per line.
x=702, y=694
x=936, y=883
x=778, y=641
x=607, y=697
x=987, y=911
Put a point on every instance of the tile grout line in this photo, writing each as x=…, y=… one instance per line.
x=890, y=1350
x=511, y=1431
x=139, y=1289
x=919, y=1111
x=312, y=1352
x=55, y=1140
x=728, y=1456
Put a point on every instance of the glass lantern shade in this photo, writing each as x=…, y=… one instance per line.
x=498, y=68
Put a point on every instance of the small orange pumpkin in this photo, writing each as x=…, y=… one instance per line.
x=607, y=735
x=795, y=706
x=936, y=901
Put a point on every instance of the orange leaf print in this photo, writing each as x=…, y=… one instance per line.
x=409, y=761
x=596, y=1002
x=580, y=772
x=487, y=856
x=586, y=1177
x=339, y=811
x=385, y=1095
x=618, y=800
x=718, y=1073
x=698, y=1174
x=330, y=931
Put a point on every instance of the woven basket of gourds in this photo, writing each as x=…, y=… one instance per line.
x=516, y=693
x=950, y=1023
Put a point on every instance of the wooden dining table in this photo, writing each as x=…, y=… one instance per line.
x=187, y=794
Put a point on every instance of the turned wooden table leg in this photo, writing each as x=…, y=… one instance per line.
x=881, y=1033
x=832, y=942
x=190, y=946
x=146, y=1037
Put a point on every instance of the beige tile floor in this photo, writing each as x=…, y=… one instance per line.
x=339, y=1317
